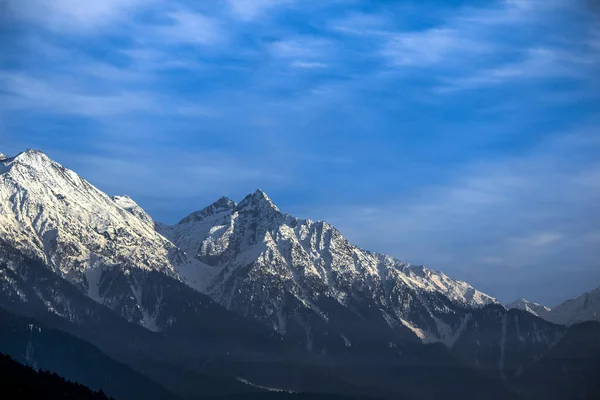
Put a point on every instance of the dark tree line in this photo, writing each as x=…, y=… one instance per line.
x=19, y=382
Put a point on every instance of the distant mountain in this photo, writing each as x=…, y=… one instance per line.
x=24, y=382
x=529, y=306
x=584, y=308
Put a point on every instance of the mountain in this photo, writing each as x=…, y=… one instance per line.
x=529, y=306
x=202, y=348
x=242, y=298
x=83, y=235
x=26, y=383
x=291, y=274
x=584, y=308
x=294, y=275
x=504, y=343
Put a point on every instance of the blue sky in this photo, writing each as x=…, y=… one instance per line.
x=463, y=135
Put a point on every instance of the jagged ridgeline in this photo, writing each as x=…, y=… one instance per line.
x=242, y=297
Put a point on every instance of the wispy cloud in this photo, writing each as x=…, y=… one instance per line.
x=498, y=222
x=307, y=65
x=362, y=24
x=537, y=63
x=485, y=46
x=190, y=27
x=253, y=9
x=75, y=15
x=429, y=47
x=27, y=93
x=302, y=51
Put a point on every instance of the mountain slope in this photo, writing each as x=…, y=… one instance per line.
x=584, y=308
x=292, y=274
x=529, y=306
x=581, y=309
x=504, y=343
x=202, y=348
x=570, y=370
x=50, y=213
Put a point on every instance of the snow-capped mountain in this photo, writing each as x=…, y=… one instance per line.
x=287, y=271
x=51, y=213
x=246, y=293
x=529, y=306
x=284, y=271
x=584, y=308
x=54, y=214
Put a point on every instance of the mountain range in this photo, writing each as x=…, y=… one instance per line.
x=573, y=311
x=243, y=298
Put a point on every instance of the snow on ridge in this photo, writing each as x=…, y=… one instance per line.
x=49, y=209
x=254, y=242
x=584, y=308
x=529, y=306
x=581, y=309
x=132, y=207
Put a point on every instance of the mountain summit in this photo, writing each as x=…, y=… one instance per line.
x=295, y=274
x=52, y=213
x=529, y=306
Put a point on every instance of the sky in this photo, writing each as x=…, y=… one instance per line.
x=462, y=135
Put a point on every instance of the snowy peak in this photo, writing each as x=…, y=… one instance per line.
x=257, y=202
x=261, y=262
x=32, y=157
x=29, y=158
x=224, y=204
x=133, y=208
x=529, y=306
x=52, y=213
x=583, y=308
